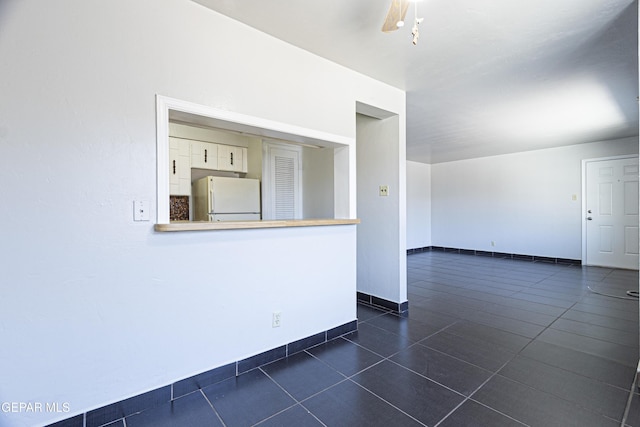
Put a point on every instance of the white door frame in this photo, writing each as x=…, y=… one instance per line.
x=584, y=196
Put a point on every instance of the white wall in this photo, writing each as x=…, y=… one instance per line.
x=523, y=202
x=254, y=164
x=95, y=307
x=317, y=183
x=418, y=205
x=381, y=233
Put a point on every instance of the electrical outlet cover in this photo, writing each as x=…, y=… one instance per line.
x=276, y=319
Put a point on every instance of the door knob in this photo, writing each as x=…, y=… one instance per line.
x=589, y=218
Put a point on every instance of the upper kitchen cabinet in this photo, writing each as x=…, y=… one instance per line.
x=231, y=158
x=204, y=155
x=179, y=167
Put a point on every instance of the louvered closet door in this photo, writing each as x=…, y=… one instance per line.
x=285, y=184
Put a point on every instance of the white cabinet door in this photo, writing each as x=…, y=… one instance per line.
x=232, y=158
x=179, y=167
x=204, y=155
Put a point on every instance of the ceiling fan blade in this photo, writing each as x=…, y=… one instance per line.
x=397, y=12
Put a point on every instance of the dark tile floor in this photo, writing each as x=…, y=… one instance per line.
x=488, y=342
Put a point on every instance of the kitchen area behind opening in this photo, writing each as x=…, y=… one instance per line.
x=222, y=175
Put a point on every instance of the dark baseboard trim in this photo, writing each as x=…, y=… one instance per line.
x=373, y=301
x=501, y=255
x=416, y=250
x=119, y=410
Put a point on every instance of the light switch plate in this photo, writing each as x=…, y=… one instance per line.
x=141, y=210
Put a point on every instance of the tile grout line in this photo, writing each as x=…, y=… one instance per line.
x=212, y=407
x=383, y=359
x=301, y=402
x=388, y=359
x=630, y=398
x=482, y=385
x=387, y=402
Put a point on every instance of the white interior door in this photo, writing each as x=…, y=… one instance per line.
x=611, y=213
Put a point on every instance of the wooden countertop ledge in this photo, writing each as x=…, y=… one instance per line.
x=238, y=225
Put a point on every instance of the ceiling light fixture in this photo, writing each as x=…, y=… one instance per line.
x=415, y=33
x=396, y=18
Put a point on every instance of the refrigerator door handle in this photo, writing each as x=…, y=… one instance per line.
x=211, y=201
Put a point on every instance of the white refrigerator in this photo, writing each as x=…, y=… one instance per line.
x=217, y=198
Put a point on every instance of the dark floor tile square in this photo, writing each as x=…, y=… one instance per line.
x=378, y=340
x=473, y=414
x=488, y=289
x=525, y=329
x=618, y=353
x=455, y=300
x=302, y=375
x=414, y=394
x=453, y=373
x=437, y=320
x=614, y=304
x=247, y=399
x=190, y=410
x=600, y=320
x=547, y=300
x=626, y=338
x=344, y=356
x=349, y=405
x=549, y=288
x=472, y=350
x=296, y=416
x=549, y=310
x=521, y=315
x=449, y=309
x=593, y=394
x=512, y=342
x=584, y=364
x=364, y=312
x=434, y=287
x=534, y=407
x=77, y=421
x=606, y=311
x=412, y=329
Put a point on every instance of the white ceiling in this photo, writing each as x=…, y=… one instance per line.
x=487, y=76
